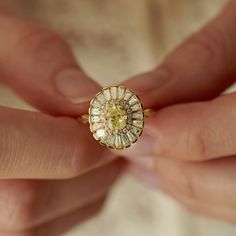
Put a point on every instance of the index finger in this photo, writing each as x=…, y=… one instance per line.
x=35, y=145
x=201, y=68
x=39, y=65
x=194, y=131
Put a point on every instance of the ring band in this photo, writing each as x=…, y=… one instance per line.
x=116, y=117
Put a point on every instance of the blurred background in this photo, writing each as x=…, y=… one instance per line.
x=114, y=40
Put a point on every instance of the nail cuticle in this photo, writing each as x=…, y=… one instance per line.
x=75, y=86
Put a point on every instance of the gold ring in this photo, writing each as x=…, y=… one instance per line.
x=116, y=117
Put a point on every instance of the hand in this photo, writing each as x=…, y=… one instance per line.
x=190, y=148
x=40, y=67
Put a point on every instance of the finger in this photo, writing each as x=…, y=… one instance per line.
x=209, y=183
x=225, y=214
x=194, y=131
x=205, y=187
x=207, y=209
x=199, y=69
x=64, y=223
x=34, y=145
x=26, y=204
x=40, y=67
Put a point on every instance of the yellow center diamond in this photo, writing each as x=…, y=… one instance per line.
x=117, y=117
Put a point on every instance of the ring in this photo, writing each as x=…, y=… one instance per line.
x=116, y=117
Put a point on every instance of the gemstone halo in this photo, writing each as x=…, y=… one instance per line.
x=116, y=117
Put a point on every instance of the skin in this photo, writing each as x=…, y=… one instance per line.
x=194, y=120
x=51, y=178
x=189, y=144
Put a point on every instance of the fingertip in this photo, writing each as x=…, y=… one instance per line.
x=148, y=81
x=42, y=68
x=75, y=86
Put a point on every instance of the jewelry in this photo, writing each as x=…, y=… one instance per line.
x=116, y=117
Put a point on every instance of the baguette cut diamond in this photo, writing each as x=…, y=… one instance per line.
x=116, y=117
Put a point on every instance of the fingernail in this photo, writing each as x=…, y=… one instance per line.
x=149, y=81
x=143, y=147
x=150, y=178
x=147, y=162
x=75, y=86
x=141, y=153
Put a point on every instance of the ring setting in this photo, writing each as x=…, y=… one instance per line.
x=116, y=117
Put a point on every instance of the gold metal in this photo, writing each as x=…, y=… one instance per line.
x=147, y=112
x=116, y=117
x=84, y=119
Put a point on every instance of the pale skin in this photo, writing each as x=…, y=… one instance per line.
x=45, y=147
x=193, y=145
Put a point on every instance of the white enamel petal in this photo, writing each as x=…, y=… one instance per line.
x=95, y=103
x=111, y=141
x=125, y=140
x=100, y=133
x=138, y=115
x=95, y=119
x=96, y=126
x=107, y=94
x=128, y=94
x=118, y=143
x=101, y=98
x=131, y=136
x=114, y=92
x=121, y=92
x=138, y=123
x=94, y=111
x=133, y=100
x=136, y=130
x=136, y=107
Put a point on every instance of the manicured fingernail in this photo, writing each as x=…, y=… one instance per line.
x=75, y=86
x=149, y=81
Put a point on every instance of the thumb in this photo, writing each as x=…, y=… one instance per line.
x=40, y=67
x=199, y=69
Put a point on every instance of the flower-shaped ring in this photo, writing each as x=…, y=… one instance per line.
x=116, y=117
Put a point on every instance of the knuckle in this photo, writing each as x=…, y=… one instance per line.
x=42, y=43
x=209, y=42
x=203, y=143
x=19, y=206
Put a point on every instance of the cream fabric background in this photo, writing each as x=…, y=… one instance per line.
x=114, y=40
